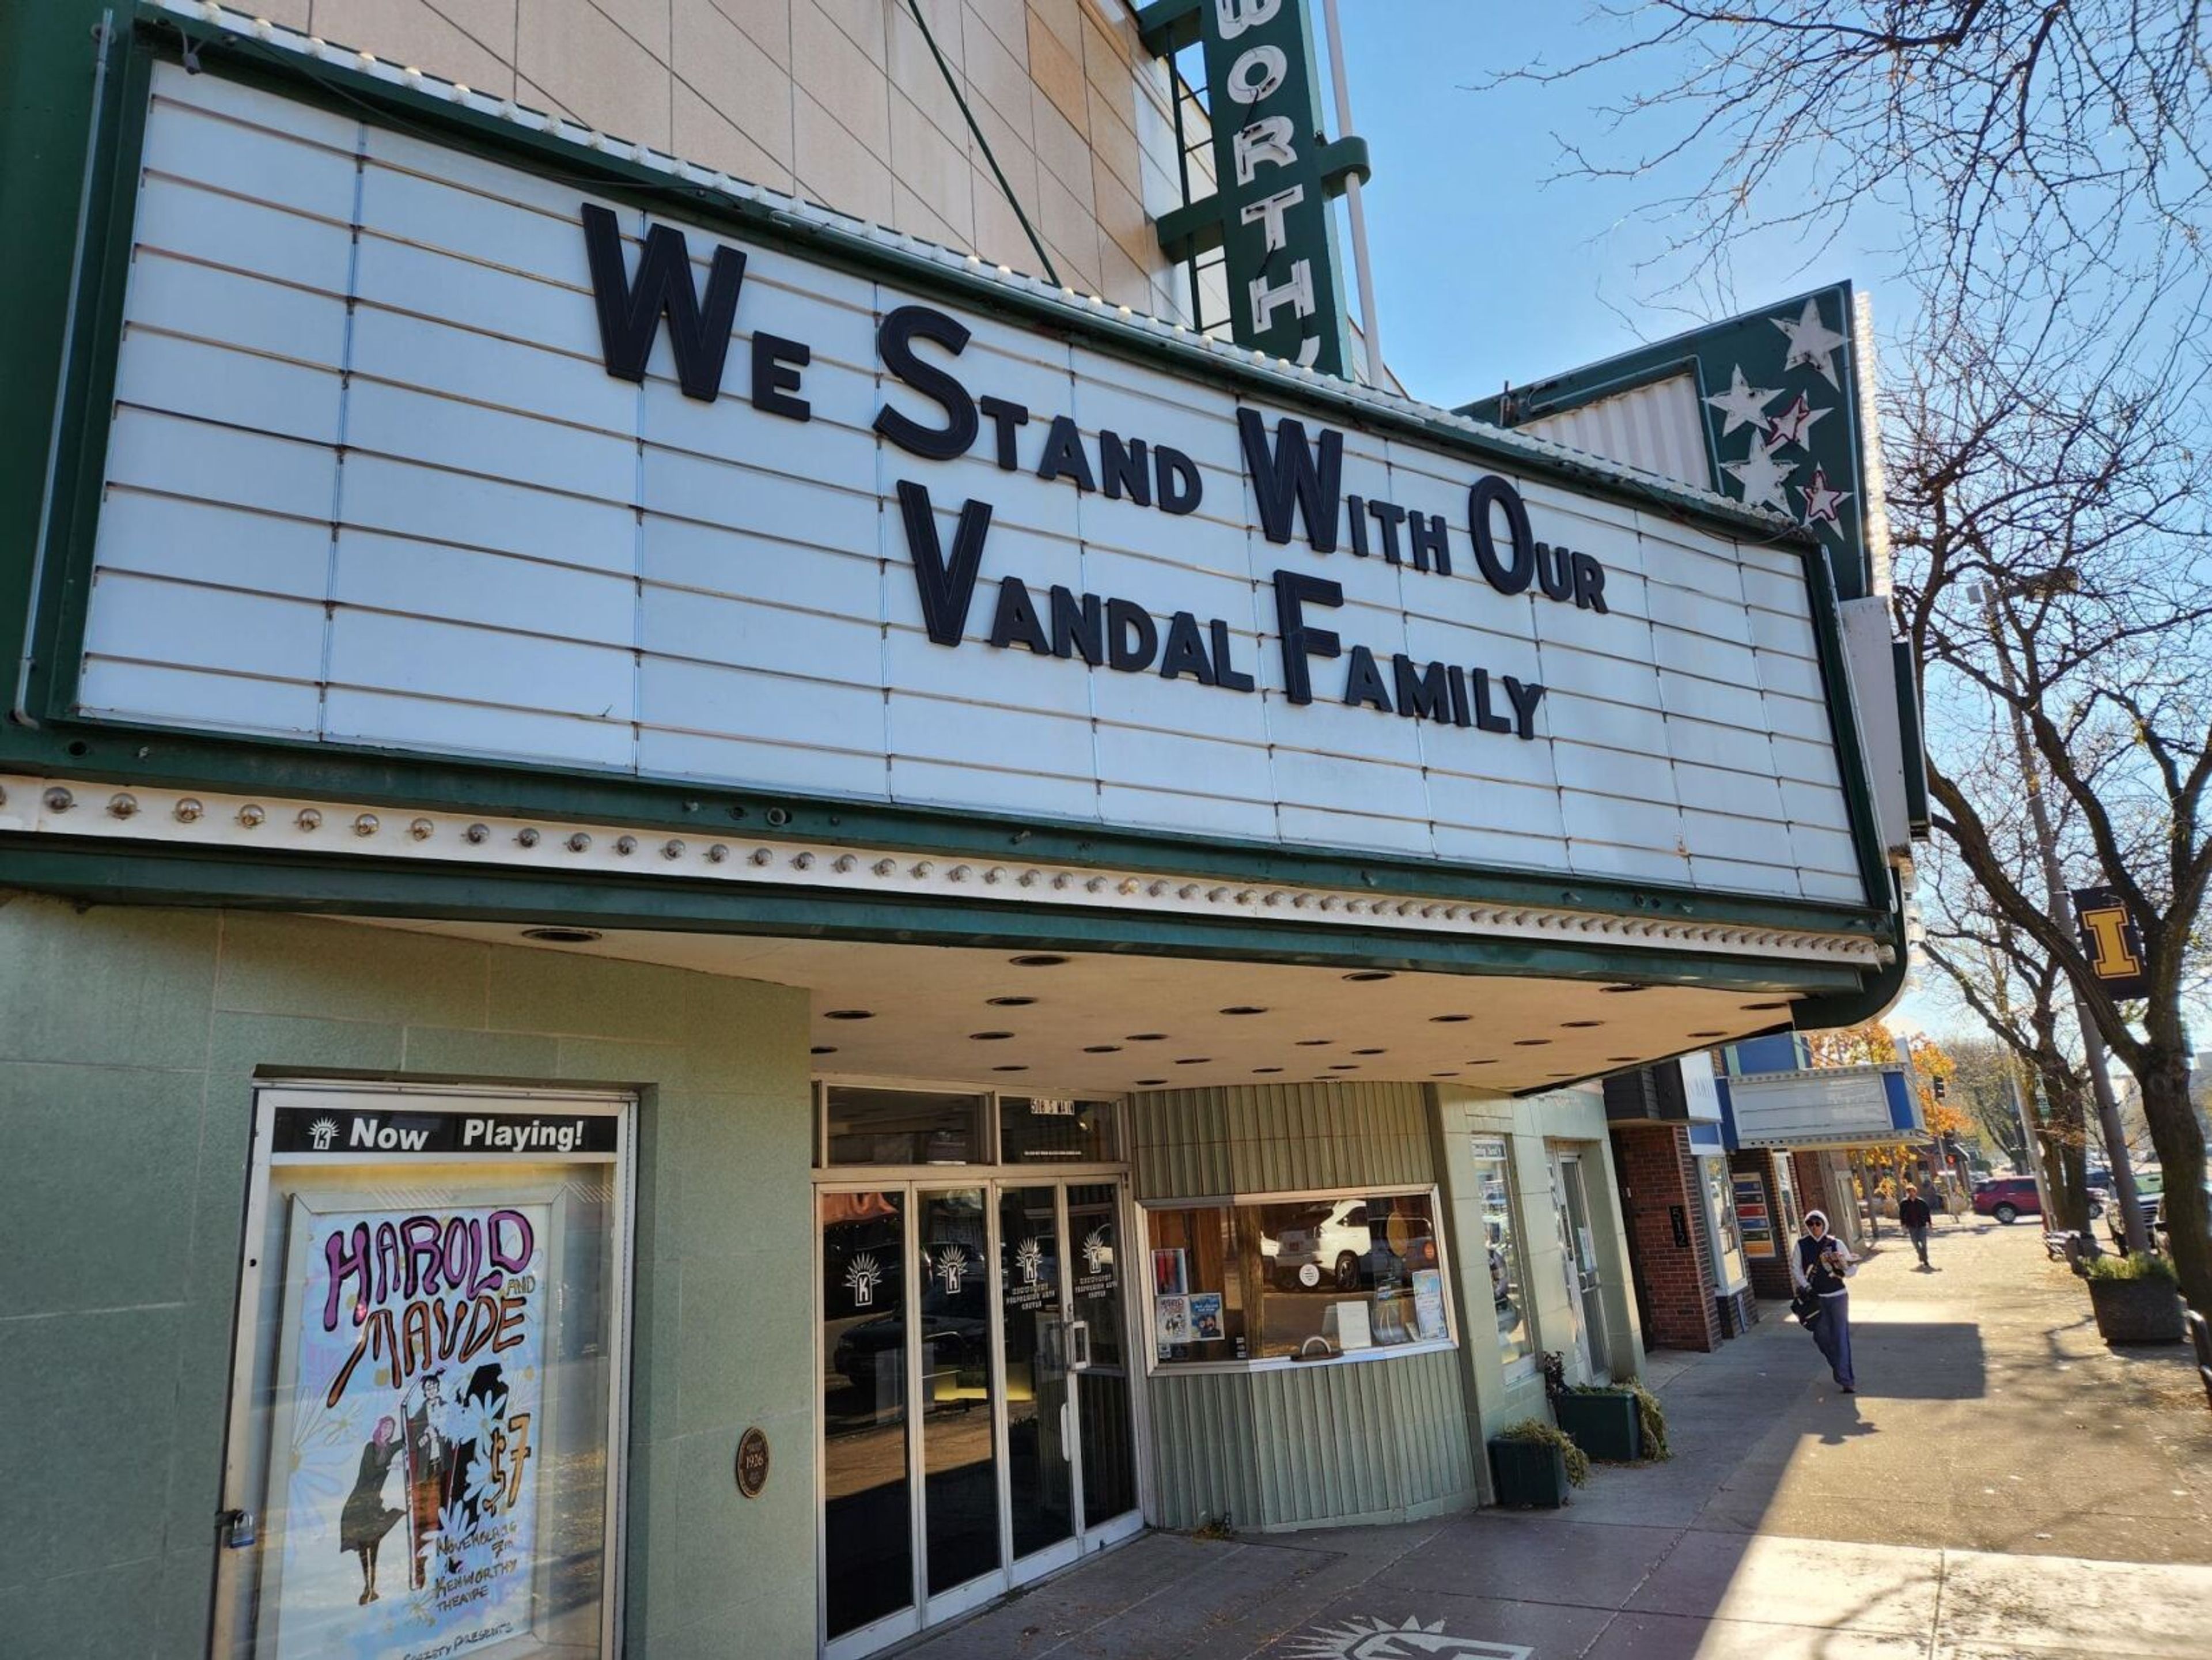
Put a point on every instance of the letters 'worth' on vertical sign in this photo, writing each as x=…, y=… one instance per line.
x=1275, y=175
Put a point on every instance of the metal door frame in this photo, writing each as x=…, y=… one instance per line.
x=924, y=1612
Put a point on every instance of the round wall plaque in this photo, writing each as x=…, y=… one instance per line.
x=752, y=1462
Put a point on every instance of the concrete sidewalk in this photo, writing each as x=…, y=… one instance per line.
x=2003, y=1486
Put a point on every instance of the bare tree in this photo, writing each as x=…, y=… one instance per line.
x=2018, y=140
x=2015, y=990
x=1984, y=1074
x=2052, y=529
x=2044, y=167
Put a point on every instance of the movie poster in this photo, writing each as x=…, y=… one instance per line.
x=410, y=1519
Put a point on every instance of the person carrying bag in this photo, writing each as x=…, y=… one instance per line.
x=1818, y=1268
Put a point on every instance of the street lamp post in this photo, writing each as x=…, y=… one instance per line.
x=2060, y=908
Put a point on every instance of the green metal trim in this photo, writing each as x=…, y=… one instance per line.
x=135, y=873
x=1912, y=738
x=58, y=648
x=49, y=59
x=1834, y=1011
x=1844, y=734
x=1164, y=28
x=162, y=756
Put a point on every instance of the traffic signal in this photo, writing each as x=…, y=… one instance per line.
x=1937, y=1085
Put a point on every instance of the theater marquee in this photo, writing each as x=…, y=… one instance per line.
x=415, y=450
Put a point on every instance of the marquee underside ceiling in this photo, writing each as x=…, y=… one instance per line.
x=1101, y=1023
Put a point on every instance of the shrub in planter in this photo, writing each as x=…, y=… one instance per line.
x=1651, y=1423
x=2136, y=1300
x=1534, y=1465
x=1602, y=1422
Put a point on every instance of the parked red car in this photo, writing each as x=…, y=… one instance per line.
x=2008, y=1198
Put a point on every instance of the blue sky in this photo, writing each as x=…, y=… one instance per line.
x=1483, y=272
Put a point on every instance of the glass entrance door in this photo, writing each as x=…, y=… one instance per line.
x=1583, y=1271
x=977, y=1406
x=1040, y=1475
x=1105, y=1407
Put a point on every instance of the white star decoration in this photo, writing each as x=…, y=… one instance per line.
x=1812, y=343
x=1822, y=503
x=1761, y=474
x=1743, y=403
x=1793, y=423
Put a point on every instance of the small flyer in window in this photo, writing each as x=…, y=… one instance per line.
x=1429, y=1302
x=1206, y=1316
x=1170, y=1275
x=1170, y=1323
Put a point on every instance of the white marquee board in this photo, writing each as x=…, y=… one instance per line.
x=371, y=483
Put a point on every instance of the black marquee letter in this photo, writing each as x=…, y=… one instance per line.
x=1288, y=477
x=944, y=590
x=1293, y=592
x=895, y=345
x=1490, y=491
x=776, y=364
x=629, y=313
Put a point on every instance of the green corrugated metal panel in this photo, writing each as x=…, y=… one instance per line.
x=1308, y=1446
x=1177, y=1144
x=1279, y=1138
x=1379, y=1439
x=1202, y=1451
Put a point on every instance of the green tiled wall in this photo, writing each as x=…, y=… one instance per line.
x=129, y=1042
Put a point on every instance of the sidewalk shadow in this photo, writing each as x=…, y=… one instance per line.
x=1910, y=1360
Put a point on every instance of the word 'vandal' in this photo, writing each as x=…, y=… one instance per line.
x=1296, y=482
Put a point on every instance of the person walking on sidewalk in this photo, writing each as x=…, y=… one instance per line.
x=1912, y=1213
x=1820, y=1265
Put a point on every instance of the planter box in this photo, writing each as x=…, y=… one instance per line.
x=1530, y=1475
x=1603, y=1424
x=2137, y=1310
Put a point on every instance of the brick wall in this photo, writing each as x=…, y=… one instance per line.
x=1657, y=1177
x=1770, y=1275
x=1814, y=1191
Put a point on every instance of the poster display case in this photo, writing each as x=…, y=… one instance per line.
x=425, y=1427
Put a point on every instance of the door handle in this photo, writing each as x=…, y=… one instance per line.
x=1078, y=1345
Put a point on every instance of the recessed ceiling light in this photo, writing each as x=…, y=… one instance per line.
x=823, y=1049
x=1621, y=991
x=989, y=1037
x=1264, y=1069
x=1623, y=1059
x=1345, y=1066
x=1490, y=1062
x=1530, y=1043
x=564, y=936
x=1370, y=1051
x=1102, y=1049
x=1366, y=975
x=1315, y=1043
x=1010, y=1002
x=1242, y=1008
x=1145, y=1037
x=1037, y=960
x=1448, y=1019
x=850, y=1014
x=1193, y=1060
x=1147, y=1082
x=1010, y=1069
x=1766, y=1006
x=1708, y=1034
x=1443, y=1074
x=1574, y=1025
